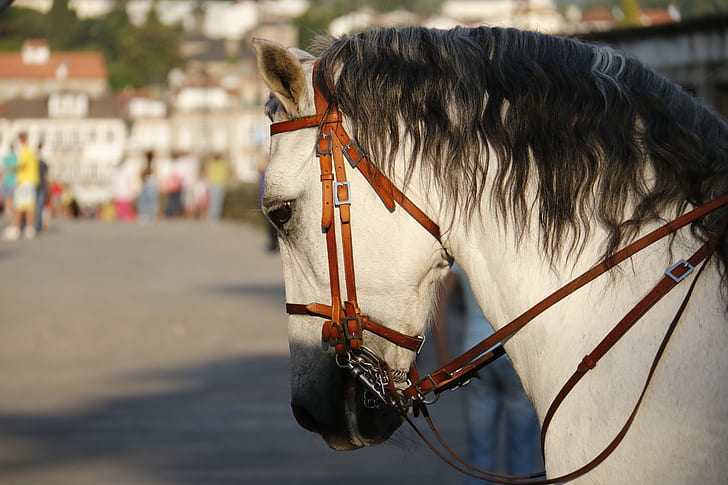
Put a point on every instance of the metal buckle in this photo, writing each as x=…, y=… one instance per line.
x=353, y=143
x=337, y=201
x=348, y=335
x=332, y=342
x=324, y=136
x=688, y=269
x=421, y=396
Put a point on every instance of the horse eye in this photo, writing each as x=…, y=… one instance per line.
x=280, y=215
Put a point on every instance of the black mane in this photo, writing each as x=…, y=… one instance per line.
x=584, y=123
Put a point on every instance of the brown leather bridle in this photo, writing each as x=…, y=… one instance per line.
x=344, y=323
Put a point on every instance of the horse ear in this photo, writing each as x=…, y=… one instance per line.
x=282, y=72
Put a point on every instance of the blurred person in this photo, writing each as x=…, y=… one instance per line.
x=501, y=421
x=9, y=171
x=216, y=174
x=74, y=208
x=56, y=197
x=188, y=168
x=67, y=201
x=107, y=212
x=201, y=197
x=123, y=191
x=41, y=190
x=148, y=201
x=173, y=187
x=27, y=180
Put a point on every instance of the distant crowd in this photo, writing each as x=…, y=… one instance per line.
x=180, y=186
x=142, y=191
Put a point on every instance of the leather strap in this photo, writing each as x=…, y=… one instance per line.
x=385, y=189
x=672, y=277
x=344, y=329
x=297, y=124
x=413, y=343
x=464, y=366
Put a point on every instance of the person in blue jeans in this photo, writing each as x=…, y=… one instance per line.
x=501, y=421
x=42, y=190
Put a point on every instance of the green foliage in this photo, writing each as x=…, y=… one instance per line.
x=18, y=24
x=423, y=7
x=62, y=26
x=153, y=51
x=312, y=23
x=135, y=56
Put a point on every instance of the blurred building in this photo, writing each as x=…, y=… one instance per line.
x=540, y=15
x=692, y=53
x=84, y=138
x=214, y=104
x=600, y=19
x=36, y=72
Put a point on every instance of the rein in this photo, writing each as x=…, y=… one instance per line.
x=344, y=323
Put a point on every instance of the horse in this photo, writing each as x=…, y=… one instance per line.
x=536, y=156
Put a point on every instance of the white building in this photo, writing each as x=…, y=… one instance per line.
x=540, y=15
x=218, y=19
x=83, y=139
x=203, y=120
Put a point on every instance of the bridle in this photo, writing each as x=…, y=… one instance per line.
x=344, y=325
x=344, y=322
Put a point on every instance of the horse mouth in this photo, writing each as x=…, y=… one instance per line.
x=354, y=425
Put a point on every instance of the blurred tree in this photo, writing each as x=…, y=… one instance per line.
x=17, y=24
x=315, y=21
x=62, y=25
x=146, y=55
x=135, y=56
x=422, y=7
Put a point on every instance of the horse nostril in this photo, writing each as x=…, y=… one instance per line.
x=305, y=419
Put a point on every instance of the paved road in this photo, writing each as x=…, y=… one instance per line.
x=157, y=355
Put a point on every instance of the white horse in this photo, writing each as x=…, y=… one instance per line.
x=538, y=157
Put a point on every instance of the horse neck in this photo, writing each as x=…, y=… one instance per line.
x=509, y=275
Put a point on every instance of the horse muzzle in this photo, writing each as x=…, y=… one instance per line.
x=345, y=410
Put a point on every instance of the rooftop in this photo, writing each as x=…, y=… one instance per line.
x=36, y=61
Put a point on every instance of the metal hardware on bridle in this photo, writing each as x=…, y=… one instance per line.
x=344, y=324
x=370, y=370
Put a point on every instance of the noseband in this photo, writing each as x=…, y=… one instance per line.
x=344, y=323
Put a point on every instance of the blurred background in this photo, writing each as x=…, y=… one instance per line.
x=142, y=333
x=101, y=82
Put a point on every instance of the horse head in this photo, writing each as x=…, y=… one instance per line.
x=394, y=258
